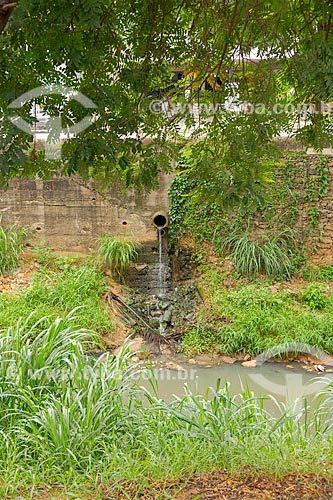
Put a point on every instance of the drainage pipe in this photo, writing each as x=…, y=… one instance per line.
x=160, y=220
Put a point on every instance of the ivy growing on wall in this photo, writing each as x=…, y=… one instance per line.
x=179, y=200
x=298, y=185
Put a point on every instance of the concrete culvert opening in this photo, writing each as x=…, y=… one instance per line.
x=160, y=221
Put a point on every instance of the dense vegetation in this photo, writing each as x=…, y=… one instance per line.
x=68, y=418
x=273, y=236
x=250, y=317
x=59, y=286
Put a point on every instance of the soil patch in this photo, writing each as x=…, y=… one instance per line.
x=216, y=485
x=19, y=280
x=220, y=485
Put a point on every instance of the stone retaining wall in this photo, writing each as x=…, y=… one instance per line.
x=302, y=198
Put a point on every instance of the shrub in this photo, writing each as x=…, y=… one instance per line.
x=118, y=252
x=270, y=255
x=11, y=245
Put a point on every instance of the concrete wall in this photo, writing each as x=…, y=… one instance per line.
x=67, y=214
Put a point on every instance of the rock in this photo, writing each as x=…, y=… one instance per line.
x=228, y=359
x=250, y=364
x=140, y=267
x=204, y=358
x=172, y=366
x=247, y=357
x=166, y=318
x=319, y=368
x=290, y=366
x=192, y=361
x=329, y=370
x=166, y=350
x=313, y=359
x=326, y=360
x=309, y=368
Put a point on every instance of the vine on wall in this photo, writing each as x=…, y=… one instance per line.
x=300, y=183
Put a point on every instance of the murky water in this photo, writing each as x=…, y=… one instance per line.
x=289, y=386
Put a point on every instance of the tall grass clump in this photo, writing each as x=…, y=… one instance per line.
x=117, y=253
x=70, y=419
x=11, y=245
x=267, y=254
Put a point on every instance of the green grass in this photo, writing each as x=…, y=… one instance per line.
x=269, y=254
x=11, y=245
x=67, y=419
x=254, y=318
x=117, y=253
x=318, y=273
x=55, y=291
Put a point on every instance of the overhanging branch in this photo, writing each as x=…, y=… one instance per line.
x=6, y=9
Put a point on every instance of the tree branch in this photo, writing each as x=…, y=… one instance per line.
x=9, y=5
x=6, y=10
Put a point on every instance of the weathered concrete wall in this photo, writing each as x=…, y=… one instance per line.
x=67, y=214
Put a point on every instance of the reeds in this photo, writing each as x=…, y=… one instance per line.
x=117, y=253
x=68, y=418
x=11, y=245
x=270, y=255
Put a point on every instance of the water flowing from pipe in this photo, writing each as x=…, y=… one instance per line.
x=160, y=263
x=161, y=272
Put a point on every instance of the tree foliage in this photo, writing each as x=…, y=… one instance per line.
x=125, y=56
